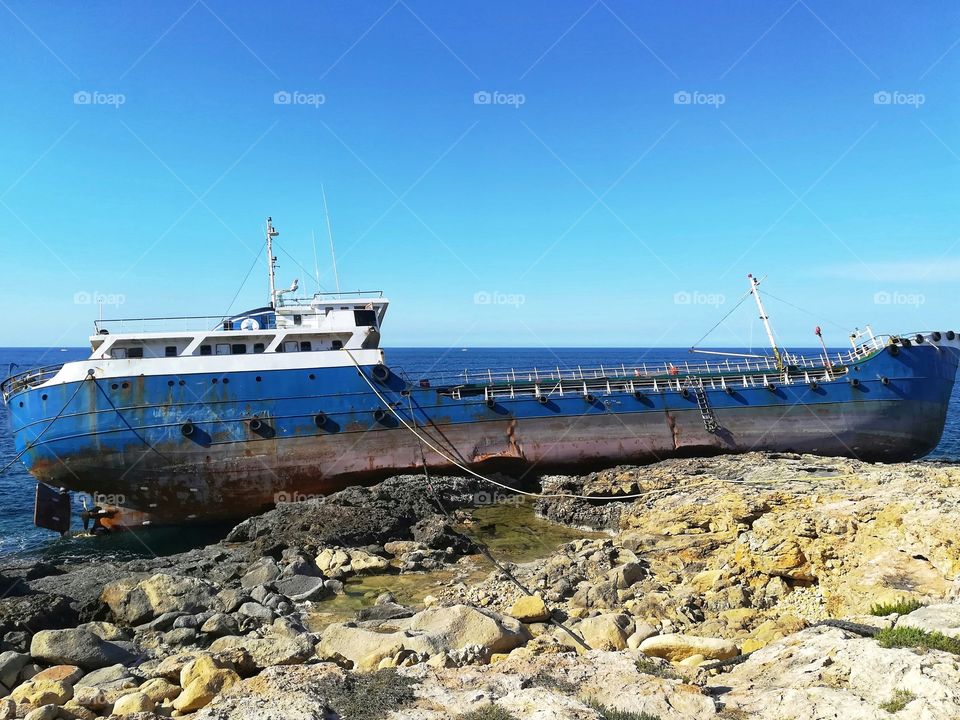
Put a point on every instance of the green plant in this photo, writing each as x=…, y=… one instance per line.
x=368, y=696
x=901, y=606
x=914, y=637
x=649, y=666
x=610, y=714
x=488, y=712
x=898, y=701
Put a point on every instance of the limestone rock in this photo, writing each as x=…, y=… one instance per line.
x=460, y=625
x=43, y=692
x=603, y=632
x=676, y=647
x=530, y=609
x=66, y=673
x=135, y=602
x=943, y=618
x=268, y=651
x=203, y=689
x=136, y=702
x=76, y=647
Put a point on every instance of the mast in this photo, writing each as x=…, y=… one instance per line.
x=272, y=261
x=754, y=289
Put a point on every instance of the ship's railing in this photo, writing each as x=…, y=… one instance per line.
x=640, y=386
x=331, y=297
x=834, y=359
x=190, y=323
x=28, y=378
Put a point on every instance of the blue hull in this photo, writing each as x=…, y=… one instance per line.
x=202, y=446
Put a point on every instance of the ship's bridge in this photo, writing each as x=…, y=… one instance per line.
x=326, y=321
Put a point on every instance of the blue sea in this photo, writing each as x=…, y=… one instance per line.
x=19, y=537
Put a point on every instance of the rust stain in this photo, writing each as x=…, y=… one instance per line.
x=490, y=450
x=674, y=431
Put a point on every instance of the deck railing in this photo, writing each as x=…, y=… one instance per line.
x=751, y=366
x=28, y=378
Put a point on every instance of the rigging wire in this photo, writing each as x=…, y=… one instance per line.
x=297, y=263
x=719, y=322
x=245, y=278
x=804, y=310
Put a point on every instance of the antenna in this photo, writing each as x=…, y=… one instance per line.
x=754, y=289
x=333, y=252
x=316, y=263
x=272, y=261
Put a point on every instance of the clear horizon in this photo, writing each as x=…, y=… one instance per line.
x=563, y=174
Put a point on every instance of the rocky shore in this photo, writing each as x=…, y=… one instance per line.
x=713, y=595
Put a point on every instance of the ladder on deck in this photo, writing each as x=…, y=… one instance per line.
x=703, y=402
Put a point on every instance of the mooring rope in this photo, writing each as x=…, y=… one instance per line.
x=477, y=475
x=482, y=546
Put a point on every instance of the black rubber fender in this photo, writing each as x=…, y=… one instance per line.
x=381, y=373
x=256, y=424
x=187, y=429
x=935, y=336
x=919, y=339
x=951, y=335
x=320, y=419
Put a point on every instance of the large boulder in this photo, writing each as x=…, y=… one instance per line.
x=460, y=625
x=676, y=647
x=530, y=609
x=603, y=632
x=268, y=651
x=77, y=647
x=432, y=631
x=135, y=601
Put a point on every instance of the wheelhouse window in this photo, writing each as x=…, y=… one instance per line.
x=206, y=350
x=238, y=349
x=119, y=353
x=135, y=352
x=223, y=349
x=259, y=347
x=365, y=317
x=298, y=319
x=305, y=346
x=291, y=346
x=337, y=344
x=170, y=351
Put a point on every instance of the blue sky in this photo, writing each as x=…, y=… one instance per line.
x=511, y=174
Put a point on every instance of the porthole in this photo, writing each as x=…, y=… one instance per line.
x=114, y=386
x=125, y=386
x=226, y=381
x=312, y=376
x=43, y=397
x=258, y=378
x=170, y=383
x=183, y=382
x=214, y=381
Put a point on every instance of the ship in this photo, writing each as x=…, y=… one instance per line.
x=296, y=399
